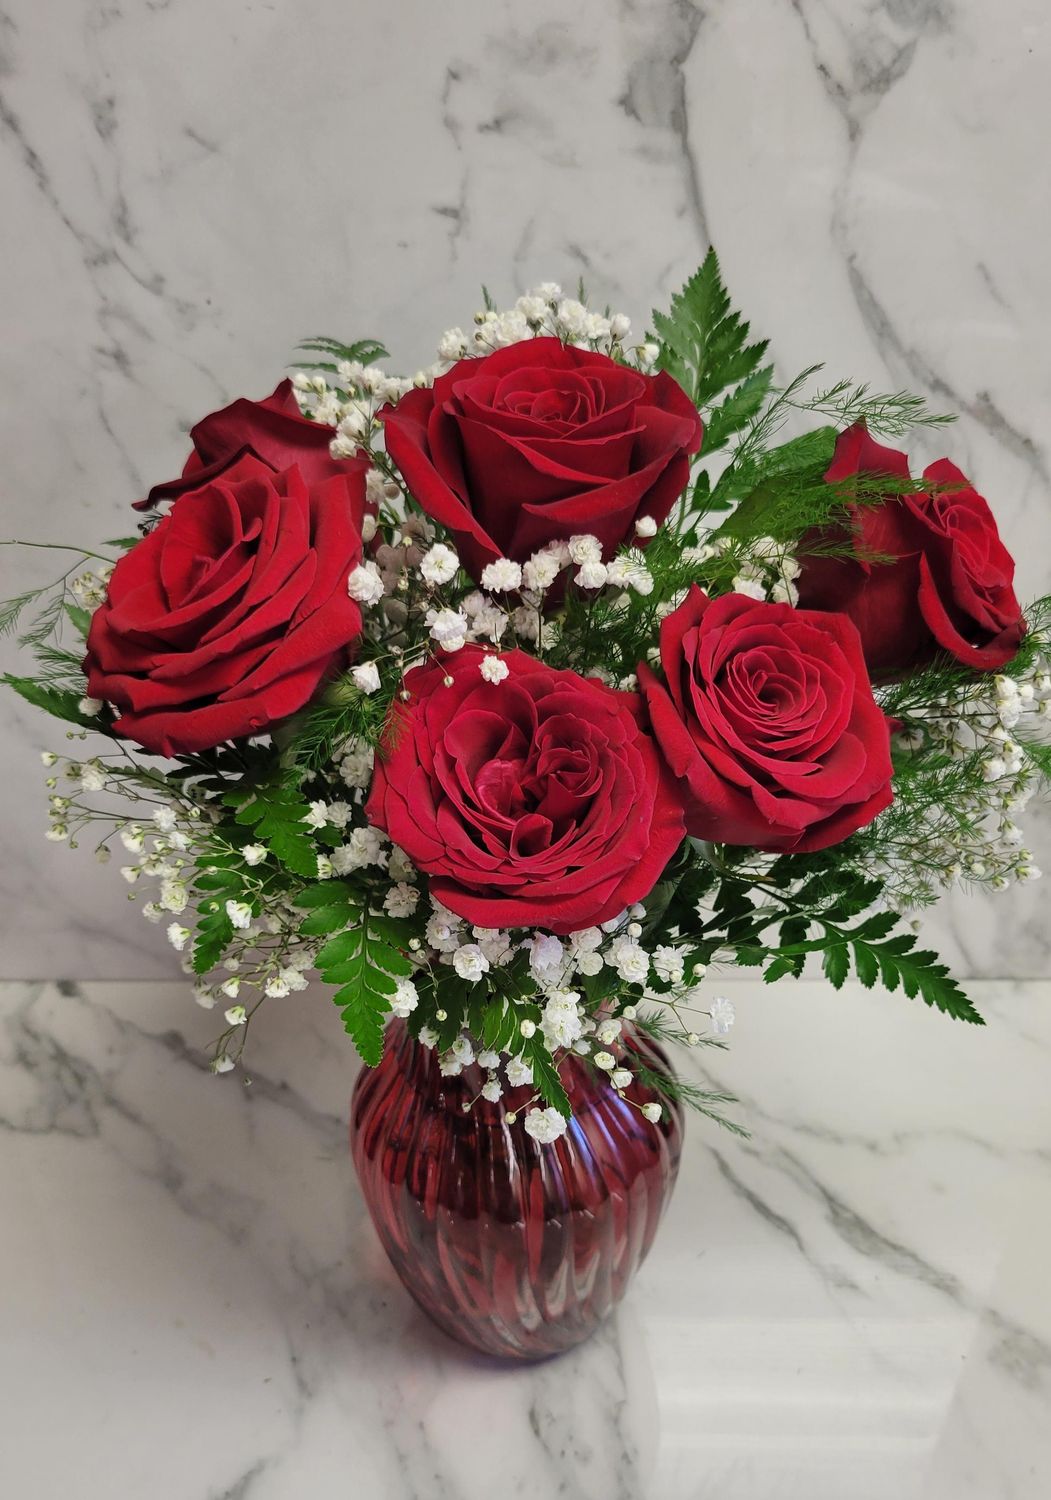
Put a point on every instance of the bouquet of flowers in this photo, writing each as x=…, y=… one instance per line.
x=516, y=697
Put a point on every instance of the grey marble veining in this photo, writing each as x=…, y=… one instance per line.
x=190, y=188
x=849, y=1305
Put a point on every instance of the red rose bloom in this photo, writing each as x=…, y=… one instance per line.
x=949, y=584
x=535, y=802
x=271, y=430
x=227, y=616
x=769, y=719
x=538, y=443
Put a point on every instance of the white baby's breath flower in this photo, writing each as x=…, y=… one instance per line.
x=620, y=1078
x=230, y=987
x=90, y=707
x=254, y=854
x=591, y=575
x=629, y=959
x=174, y=896
x=448, y=627
x=405, y=999
x=401, y=900
x=561, y=1021
x=492, y=1090
x=427, y=1037
x=526, y=622
x=470, y=962
x=317, y=817
x=494, y=943
x=518, y=1072
x=235, y=1015
x=165, y=819
x=540, y=572
x=366, y=677
x=463, y=1050
x=669, y=963
x=222, y=1064
x=488, y=1059
x=240, y=914
x=178, y=936
x=356, y=766
x=443, y=934
x=492, y=668
x=453, y=344
x=545, y=1125
x=606, y=1061
x=751, y=588
x=400, y=866
x=365, y=847
x=607, y=1031
x=546, y=957
x=502, y=576
x=440, y=564
x=93, y=778
x=645, y=526
x=619, y=327
x=584, y=548
x=572, y=317
x=365, y=584
x=653, y=1112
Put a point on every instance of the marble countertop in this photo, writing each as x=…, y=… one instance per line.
x=851, y=1305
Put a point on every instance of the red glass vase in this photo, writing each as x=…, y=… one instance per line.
x=516, y=1248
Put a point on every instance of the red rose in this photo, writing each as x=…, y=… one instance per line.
x=949, y=584
x=534, y=802
x=769, y=719
x=227, y=616
x=272, y=430
x=538, y=443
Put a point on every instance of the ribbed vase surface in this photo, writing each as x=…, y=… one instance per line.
x=516, y=1248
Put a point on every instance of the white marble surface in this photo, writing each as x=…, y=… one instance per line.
x=190, y=187
x=852, y=1305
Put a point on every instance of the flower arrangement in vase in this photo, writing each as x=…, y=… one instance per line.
x=513, y=700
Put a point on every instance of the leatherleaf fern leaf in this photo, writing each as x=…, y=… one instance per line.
x=362, y=958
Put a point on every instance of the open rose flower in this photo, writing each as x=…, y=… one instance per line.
x=929, y=572
x=537, y=443
x=538, y=801
x=769, y=719
x=271, y=430
x=228, y=615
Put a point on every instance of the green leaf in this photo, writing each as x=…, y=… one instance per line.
x=81, y=618
x=324, y=919
x=545, y=1074
x=61, y=703
x=737, y=409
x=778, y=968
x=704, y=344
x=365, y=351
x=363, y=1012
x=865, y=965
x=214, y=932
x=836, y=964
x=277, y=812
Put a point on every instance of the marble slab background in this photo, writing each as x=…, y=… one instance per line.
x=188, y=187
